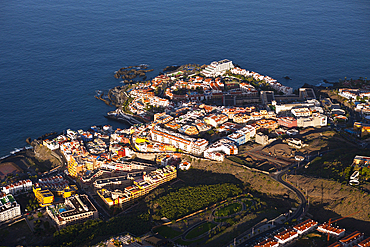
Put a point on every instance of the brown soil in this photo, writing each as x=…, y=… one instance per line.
x=229, y=170
x=8, y=167
x=331, y=199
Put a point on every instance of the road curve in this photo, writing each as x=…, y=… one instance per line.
x=301, y=210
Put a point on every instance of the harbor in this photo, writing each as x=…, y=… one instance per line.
x=120, y=116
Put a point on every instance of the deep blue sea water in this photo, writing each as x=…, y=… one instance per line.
x=54, y=55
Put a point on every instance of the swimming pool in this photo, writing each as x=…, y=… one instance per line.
x=61, y=210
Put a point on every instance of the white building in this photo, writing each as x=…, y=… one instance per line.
x=248, y=129
x=9, y=208
x=349, y=93
x=217, y=68
x=288, y=107
x=184, y=165
x=286, y=236
x=216, y=119
x=223, y=145
x=305, y=226
x=76, y=209
x=185, y=143
x=263, y=139
x=316, y=120
x=214, y=156
x=334, y=231
x=17, y=187
x=301, y=112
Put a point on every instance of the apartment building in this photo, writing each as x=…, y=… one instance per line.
x=58, y=185
x=217, y=68
x=140, y=187
x=301, y=112
x=185, y=143
x=364, y=128
x=9, y=208
x=364, y=243
x=238, y=138
x=305, y=226
x=286, y=236
x=352, y=239
x=216, y=119
x=316, y=120
x=270, y=242
x=334, y=231
x=23, y=185
x=43, y=196
x=349, y=93
x=289, y=122
x=241, y=118
x=223, y=145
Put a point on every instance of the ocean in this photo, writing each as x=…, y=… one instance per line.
x=55, y=55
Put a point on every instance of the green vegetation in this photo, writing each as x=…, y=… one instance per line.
x=167, y=232
x=336, y=165
x=79, y=234
x=247, y=202
x=32, y=204
x=203, y=228
x=229, y=210
x=190, y=199
x=239, y=160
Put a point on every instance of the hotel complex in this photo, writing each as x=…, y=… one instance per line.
x=141, y=186
x=75, y=209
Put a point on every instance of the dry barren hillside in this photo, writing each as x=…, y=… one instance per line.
x=258, y=181
x=331, y=199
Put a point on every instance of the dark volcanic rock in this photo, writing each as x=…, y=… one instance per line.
x=171, y=68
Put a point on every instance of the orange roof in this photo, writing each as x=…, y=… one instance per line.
x=353, y=236
x=336, y=244
x=330, y=228
x=267, y=243
x=365, y=243
x=305, y=224
x=286, y=234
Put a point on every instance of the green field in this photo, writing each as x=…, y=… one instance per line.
x=229, y=210
x=247, y=202
x=200, y=230
x=167, y=232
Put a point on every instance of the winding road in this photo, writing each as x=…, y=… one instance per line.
x=301, y=210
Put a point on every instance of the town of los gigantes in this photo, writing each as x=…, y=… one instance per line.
x=211, y=159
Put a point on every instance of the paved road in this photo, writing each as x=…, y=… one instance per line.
x=301, y=210
x=303, y=202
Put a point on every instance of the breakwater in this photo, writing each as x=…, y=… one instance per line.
x=120, y=116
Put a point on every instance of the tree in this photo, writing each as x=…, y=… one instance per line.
x=39, y=214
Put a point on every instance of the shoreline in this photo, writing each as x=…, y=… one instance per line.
x=16, y=150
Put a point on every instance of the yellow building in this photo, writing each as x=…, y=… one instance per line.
x=67, y=191
x=141, y=140
x=74, y=167
x=141, y=186
x=364, y=128
x=44, y=197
